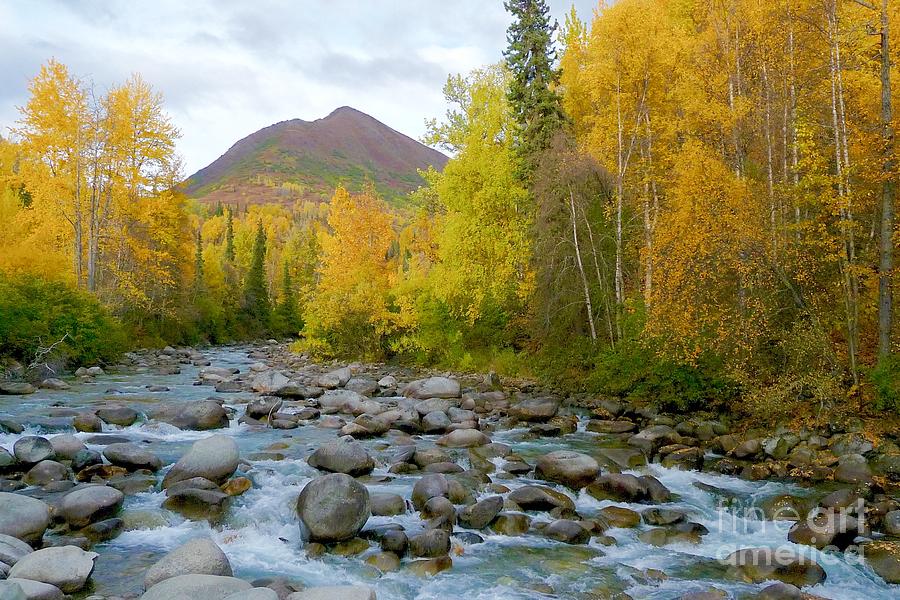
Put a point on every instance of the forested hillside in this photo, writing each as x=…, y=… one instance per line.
x=680, y=202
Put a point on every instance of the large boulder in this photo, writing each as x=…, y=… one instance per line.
x=16, y=388
x=480, y=514
x=335, y=592
x=32, y=449
x=755, y=565
x=215, y=458
x=35, y=590
x=571, y=469
x=884, y=558
x=196, y=416
x=200, y=556
x=86, y=505
x=196, y=587
x=540, y=498
x=625, y=487
x=430, y=486
x=333, y=507
x=433, y=387
x=268, y=382
x=536, y=409
x=464, y=438
x=23, y=517
x=132, y=457
x=343, y=455
x=262, y=408
x=430, y=543
x=568, y=532
x=66, y=446
x=87, y=423
x=12, y=591
x=118, y=415
x=45, y=472
x=66, y=567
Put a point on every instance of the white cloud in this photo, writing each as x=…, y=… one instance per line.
x=228, y=68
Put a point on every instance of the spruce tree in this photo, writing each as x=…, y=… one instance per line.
x=257, y=308
x=535, y=105
x=229, y=236
x=286, y=312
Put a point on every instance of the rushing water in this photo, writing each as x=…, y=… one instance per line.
x=261, y=535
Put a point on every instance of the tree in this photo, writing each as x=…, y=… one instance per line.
x=285, y=318
x=533, y=101
x=256, y=307
x=229, y=236
x=198, y=264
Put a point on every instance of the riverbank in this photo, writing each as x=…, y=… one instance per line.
x=423, y=484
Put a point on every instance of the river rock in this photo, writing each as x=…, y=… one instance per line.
x=16, y=388
x=66, y=567
x=195, y=416
x=333, y=507
x=32, y=449
x=132, y=457
x=23, y=517
x=12, y=549
x=45, y=472
x=435, y=422
x=335, y=592
x=35, y=590
x=199, y=556
x=257, y=593
x=12, y=591
x=464, y=438
x=432, y=387
x=343, y=455
x=334, y=379
x=511, y=524
x=86, y=458
x=625, y=487
x=196, y=587
x=268, y=382
x=86, y=505
x=755, y=565
x=87, y=423
x=884, y=558
x=215, y=458
x=571, y=469
x=566, y=531
x=66, y=446
x=540, y=498
x=362, y=385
x=198, y=504
x=431, y=543
x=480, y=514
x=118, y=415
x=853, y=468
x=536, y=409
x=387, y=505
x=260, y=408
x=7, y=461
x=429, y=486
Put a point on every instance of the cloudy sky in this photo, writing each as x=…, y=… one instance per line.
x=229, y=67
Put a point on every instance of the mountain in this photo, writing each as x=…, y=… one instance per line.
x=307, y=159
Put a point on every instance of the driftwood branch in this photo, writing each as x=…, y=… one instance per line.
x=42, y=352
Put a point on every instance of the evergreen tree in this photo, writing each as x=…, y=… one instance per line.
x=285, y=319
x=257, y=309
x=229, y=236
x=536, y=107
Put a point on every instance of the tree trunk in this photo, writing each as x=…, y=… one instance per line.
x=886, y=258
x=584, y=282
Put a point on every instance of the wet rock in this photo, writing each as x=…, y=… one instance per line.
x=853, y=468
x=229, y=387
x=619, y=516
x=32, y=449
x=566, y=531
x=387, y=505
x=198, y=556
x=540, y=498
x=610, y=427
x=571, y=469
x=662, y=516
x=131, y=457
x=268, y=382
x=386, y=562
x=236, y=486
x=66, y=446
x=480, y=514
x=782, y=591
x=433, y=387
x=884, y=558
x=118, y=415
x=536, y=409
x=825, y=528
x=87, y=423
x=892, y=523
x=198, y=504
x=262, y=408
x=624, y=487
x=11, y=591
x=431, y=543
x=45, y=472
x=689, y=459
x=257, y=593
x=395, y=541
x=195, y=416
x=435, y=422
x=23, y=517
x=343, y=455
x=86, y=505
x=464, y=438
x=428, y=487
x=335, y=592
x=333, y=507
x=103, y=531
x=214, y=458
x=66, y=567
x=196, y=587
x=650, y=440
x=430, y=567
x=10, y=426
x=8, y=462
x=755, y=565
x=16, y=388
x=35, y=590
x=511, y=524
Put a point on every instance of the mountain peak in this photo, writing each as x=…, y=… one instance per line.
x=299, y=159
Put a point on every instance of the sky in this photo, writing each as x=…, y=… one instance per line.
x=227, y=68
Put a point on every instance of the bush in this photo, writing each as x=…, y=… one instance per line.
x=36, y=313
x=886, y=379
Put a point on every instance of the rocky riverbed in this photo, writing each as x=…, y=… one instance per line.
x=254, y=473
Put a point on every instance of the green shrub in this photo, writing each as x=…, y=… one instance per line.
x=36, y=313
x=886, y=379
